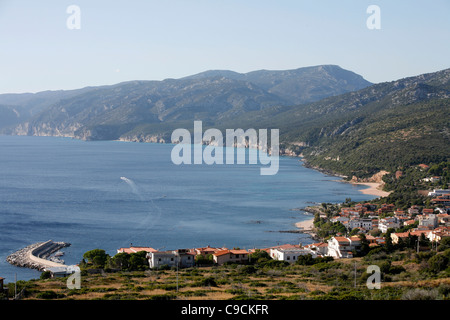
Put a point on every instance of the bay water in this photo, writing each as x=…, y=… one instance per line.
x=111, y=194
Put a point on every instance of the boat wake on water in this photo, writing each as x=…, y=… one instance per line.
x=153, y=214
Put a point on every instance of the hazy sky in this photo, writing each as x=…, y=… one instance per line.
x=154, y=40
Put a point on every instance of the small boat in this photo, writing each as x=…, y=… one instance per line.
x=59, y=254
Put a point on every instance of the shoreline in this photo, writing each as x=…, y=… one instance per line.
x=305, y=225
x=374, y=188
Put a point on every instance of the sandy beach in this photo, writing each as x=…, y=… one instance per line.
x=374, y=189
x=306, y=225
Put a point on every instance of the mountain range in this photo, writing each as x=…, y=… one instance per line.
x=385, y=126
x=147, y=107
x=333, y=117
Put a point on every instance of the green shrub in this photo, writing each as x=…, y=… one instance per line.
x=444, y=289
x=420, y=294
x=206, y=282
x=248, y=269
x=438, y=263
x=45, y=275
x=48, y=294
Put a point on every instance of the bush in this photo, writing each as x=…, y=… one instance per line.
x=424, y=256
x=444, y=289
x=207, y=282
x=48, y=294
x=249, y=269
x=307, y=260
x=420, y=294
x=259, y=256
x=438, y=263
x=45, y=275
x=274, y=264
x=387, y=268
x=376, y=254
x=204, y=260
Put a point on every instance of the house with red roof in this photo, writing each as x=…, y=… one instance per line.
x=133, y=249
x=224, y=256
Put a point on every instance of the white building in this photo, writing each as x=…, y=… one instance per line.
x=438, y=192
x=429, y=220
x=182, y=257
x=340, y=219
x=321, y=248
x=290, y=254
x=161, y=258
x=387, y=223
x=438, y=234
x=365, y=223
x=342, y=247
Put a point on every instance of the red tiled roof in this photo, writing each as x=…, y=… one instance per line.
x=224, y=252
x=341, y=239
x=136, y=249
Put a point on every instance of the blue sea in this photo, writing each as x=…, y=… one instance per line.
x=109, y=194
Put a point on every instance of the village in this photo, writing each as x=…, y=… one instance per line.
x=364, y=224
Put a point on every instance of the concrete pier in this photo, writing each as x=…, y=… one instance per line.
x=35, y=256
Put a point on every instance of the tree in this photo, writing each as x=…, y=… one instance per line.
x=259, y=256
x=120, y=261
x=138, y=261
x=365, y=248
x=444, y=244
x=305, y=260
x=411, y=241
x=204, y=260
x=388, y=241
x=424, y=241
x=97, y=257
x=438, y=263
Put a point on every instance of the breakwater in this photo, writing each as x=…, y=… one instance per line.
x=36, y=256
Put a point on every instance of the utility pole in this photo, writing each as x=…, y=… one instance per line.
x=178, y=261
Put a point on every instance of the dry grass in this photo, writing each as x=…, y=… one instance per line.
x=299, y=282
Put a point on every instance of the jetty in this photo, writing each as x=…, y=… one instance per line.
x=38, y=255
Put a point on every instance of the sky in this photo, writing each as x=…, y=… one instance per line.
x=116, y=41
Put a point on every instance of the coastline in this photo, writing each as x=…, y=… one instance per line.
x=374, y=188
x=305, y=225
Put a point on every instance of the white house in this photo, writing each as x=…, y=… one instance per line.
x=290, y=254
x=429, y=220
x=158, y=259
x=389, y=222
x=182, y=257
x=342, y=247
x=365, y=223
x=321, y=248
x=438, y=234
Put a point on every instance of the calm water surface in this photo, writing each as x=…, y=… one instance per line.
x=109, y=194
